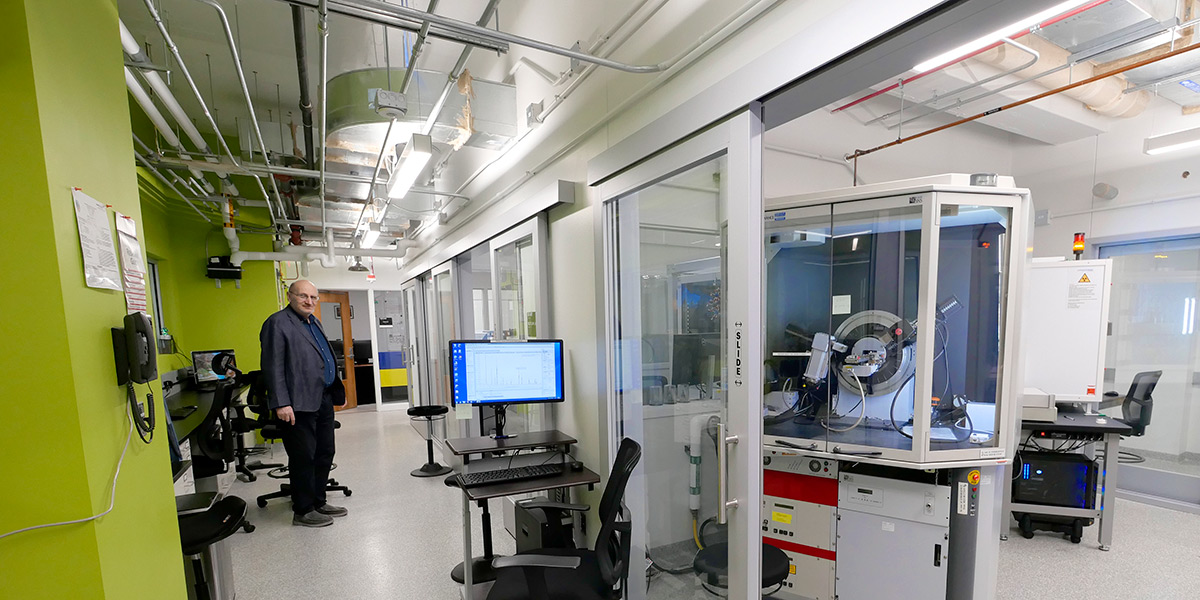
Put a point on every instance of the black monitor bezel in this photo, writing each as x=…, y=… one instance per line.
x=561, y=361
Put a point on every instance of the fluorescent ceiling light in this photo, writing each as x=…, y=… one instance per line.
x=413, y=158
x=370, y=235
x=997, y=35
x=1170, y=142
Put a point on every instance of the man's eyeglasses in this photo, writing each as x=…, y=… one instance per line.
x=306, y=297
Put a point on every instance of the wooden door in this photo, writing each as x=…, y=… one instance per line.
x=346, y=362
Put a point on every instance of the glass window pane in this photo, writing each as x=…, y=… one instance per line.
x=670, y=354
x=1153, y=316
x=967, y=323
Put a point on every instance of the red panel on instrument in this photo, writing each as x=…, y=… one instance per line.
x=805, y=488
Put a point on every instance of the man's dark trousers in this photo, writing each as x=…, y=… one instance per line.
x=309, y=445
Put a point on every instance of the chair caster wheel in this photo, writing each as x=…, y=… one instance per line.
x=248, y=527
x=348, y=493
x=262, y=503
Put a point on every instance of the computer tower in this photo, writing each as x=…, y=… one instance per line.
x=534, y=529
x=1054, y=479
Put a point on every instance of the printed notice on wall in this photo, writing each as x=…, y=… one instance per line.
x=96, y=243
x=1084, y=293
x=133, y=270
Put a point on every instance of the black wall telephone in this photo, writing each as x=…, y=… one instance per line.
x=136, y=362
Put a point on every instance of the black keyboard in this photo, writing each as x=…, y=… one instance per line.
x=470, y=480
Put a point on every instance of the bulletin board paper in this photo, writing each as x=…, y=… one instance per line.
x=95, y=241
x=133, y=269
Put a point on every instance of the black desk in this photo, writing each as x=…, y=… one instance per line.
x=1075, y=421
x=465, y=447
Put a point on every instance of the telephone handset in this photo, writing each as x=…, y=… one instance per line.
x=136, y=362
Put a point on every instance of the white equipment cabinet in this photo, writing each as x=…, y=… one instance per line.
x=1064, y=329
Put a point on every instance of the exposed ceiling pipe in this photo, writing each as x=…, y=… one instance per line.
x=703, y=45
x=1106, y=96
x=323, y=29
x=1048, y=22
x=162, y=30
x=170, y=186
x=406, y=24
x=821, y=157
x=451, y=78
x=1137, y=65
x=1033, y=58
x=306, y=109
x=134, y=50
x=241, y=74
x=227, y=226
x=417, y=46
x=317, y=253
x=384, y=8
x=160, y=123
x=253, y=169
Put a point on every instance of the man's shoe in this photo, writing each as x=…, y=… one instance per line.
x=312, y=518
x=331, y=510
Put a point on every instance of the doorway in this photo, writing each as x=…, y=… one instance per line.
x=336, y=306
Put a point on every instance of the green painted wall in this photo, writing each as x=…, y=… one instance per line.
x=67, y=124
x=200, y=315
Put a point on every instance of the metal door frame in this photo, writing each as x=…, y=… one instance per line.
x=739, y=138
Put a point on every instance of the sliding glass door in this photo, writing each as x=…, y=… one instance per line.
x=683, y=268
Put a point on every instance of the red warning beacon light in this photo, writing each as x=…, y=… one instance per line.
x=1078, y=245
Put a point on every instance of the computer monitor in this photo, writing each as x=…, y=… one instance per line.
x=202, y=363
x=496, y=374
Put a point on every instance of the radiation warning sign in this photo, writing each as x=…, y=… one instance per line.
x=1084, y=294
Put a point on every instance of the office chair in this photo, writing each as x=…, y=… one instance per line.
x=1137, y=409
x=271, y=430
x=199, y=531
x=577, y=574
x=243, y=425
x=213, y=440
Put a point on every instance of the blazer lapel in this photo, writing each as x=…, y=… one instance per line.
x=303, y=329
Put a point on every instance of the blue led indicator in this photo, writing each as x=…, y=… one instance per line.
x=1025, y=472
x=1191, y=85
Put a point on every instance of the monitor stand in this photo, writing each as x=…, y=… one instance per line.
x=499, y=410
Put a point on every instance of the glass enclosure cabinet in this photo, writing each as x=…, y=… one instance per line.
x=885, y=319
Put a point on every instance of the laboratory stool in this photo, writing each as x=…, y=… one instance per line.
x=712, y=565
x=199, y=534
x=429, y=414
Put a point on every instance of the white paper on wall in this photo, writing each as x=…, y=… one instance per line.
x=96, y=243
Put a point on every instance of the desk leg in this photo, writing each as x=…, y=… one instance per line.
x=1112, y=450
x=468, y=579
x=1007, y=472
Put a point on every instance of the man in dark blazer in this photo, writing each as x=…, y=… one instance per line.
x=301, y=375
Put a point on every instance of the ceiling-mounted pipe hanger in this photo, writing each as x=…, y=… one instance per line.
x=404, y=23
x=166, y=35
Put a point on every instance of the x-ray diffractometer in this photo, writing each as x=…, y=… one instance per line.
x=889, y=407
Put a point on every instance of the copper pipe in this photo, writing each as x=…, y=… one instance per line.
x=1083, y=82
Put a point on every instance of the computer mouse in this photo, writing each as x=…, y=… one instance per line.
x=576, y=466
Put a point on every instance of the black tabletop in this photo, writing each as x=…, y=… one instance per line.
x=1077, y=422
x=533, y=439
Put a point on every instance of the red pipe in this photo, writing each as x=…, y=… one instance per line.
x=1022, y=33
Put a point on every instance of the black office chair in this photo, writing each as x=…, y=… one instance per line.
x=199, y=531
x=213, y=440
x=243, y=424
x=271, y=430
x=1137, y=409
x=577, y=574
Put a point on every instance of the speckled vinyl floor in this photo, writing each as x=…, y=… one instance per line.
x=400, y=540
x=404, y=534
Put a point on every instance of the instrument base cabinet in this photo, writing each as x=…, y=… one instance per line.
x=896, y=533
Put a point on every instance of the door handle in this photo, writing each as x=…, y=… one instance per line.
x=723, y=501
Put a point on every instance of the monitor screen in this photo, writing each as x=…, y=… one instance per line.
x=202, y=362
x=486, y=372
